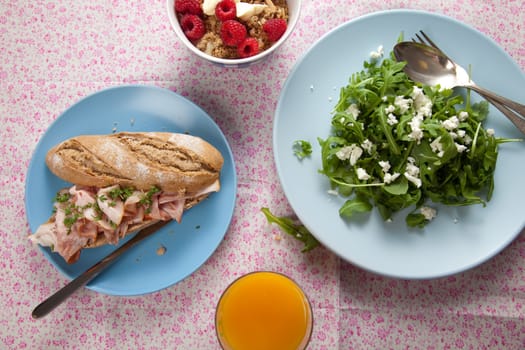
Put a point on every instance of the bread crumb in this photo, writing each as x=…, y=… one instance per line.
x=161, y=250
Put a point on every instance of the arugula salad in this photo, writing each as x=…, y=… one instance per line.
x=396, y=143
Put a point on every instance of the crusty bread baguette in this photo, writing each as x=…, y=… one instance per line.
x=164, y=174
x=174, y=162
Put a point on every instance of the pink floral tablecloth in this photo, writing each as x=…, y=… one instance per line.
x=55, y=52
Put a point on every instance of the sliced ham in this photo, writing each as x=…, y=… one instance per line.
x=137, y=216
x=85, y=198
x=68, y=243
x=45, y=235
x=85, y=228
x=135, y=198
x=99, y=214
x=174, y=209
x=169, y=197
x=82, y=197
x=214, y=187
x=113, y=208
x=112, y=236
x=153, y=211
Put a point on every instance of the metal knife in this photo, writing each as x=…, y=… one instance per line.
x=62, y=294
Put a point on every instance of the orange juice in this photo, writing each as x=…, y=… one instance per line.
x=263, y=311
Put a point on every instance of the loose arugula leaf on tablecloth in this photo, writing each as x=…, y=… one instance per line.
x=294, y=229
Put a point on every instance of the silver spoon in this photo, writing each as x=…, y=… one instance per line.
x=430, y=66
x=65, y=292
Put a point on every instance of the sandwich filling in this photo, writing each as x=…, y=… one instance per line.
x=83, y=215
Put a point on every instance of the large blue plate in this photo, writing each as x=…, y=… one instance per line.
x=460, y=238
x=188, y=244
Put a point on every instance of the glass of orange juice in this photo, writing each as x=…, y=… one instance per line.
x=263, y=311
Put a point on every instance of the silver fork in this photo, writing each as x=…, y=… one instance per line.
x=514, y=117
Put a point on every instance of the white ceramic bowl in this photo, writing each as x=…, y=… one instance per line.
x=293, y=15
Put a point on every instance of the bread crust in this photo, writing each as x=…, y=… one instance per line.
x=173, y=162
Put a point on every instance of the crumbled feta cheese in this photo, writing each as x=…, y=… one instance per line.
x=412, y=172
x=362, y=174
x=437, y=147
x=461, y=133
x=422, y=103
x=467, y=140
x=412, y=169
x=378, y=53
x=462, y=116
x=415, y=180
x=402, y=103
x=460, y=148
x=353, y=110
x=333, y=192
x=367, y=146
x=390, y=109
x=388, y=178
x=352, y=152
x=428, y=213
x=415, y=125
x=490, y=132
x=451, y=123
x=385, y=165
x=391, y=119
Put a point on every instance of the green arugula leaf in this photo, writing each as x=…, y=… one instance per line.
x=302, y=149
x=359, y=204
x=296, y=230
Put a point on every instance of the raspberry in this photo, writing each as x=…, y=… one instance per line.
x=226, y=10
x=192, y=7
x=193, y=26
x=249, y=47
x=274, y=28
x=233, y=32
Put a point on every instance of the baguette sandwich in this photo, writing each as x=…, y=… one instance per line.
x=124, y=182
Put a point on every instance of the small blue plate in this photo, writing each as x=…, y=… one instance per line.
x=459, y=238
x=188, y=244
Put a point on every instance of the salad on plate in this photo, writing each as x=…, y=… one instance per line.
x=395, y=144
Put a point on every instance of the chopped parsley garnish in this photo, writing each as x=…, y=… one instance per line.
x=147, y=200
x=62, y=197
x=121, y=192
